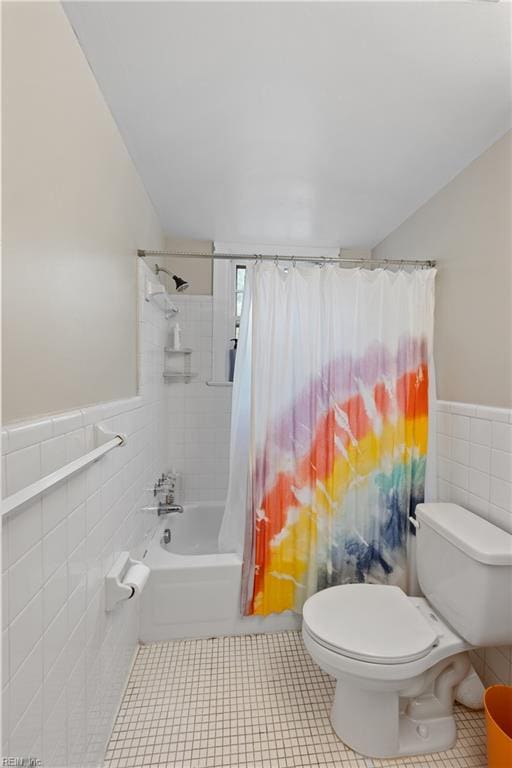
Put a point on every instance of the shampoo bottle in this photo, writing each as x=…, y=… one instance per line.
x=176, y=337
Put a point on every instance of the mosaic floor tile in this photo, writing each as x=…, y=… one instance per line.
x=253, y=701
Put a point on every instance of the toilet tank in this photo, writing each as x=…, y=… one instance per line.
x=465, y=571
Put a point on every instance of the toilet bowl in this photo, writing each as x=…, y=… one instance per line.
x=394, y=688
x=397, y=659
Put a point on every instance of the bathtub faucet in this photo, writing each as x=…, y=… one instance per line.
x=167, y=509
x=164, y=509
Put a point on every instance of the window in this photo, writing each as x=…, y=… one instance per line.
x=239, y=286
x=228, y=294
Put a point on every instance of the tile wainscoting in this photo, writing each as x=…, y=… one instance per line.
x=65, y=661
x=474, y=467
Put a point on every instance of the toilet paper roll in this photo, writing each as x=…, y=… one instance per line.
x=136, y=577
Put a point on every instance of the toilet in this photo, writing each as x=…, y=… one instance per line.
x=397, y=659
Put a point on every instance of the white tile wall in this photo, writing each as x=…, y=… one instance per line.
x=474, y=445
x=65, y=661
x=199, y=415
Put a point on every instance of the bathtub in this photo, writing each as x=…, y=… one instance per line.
x=193, y=589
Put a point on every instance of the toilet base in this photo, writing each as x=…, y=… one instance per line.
x=376, y=724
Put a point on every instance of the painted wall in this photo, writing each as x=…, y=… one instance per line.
x=466, y=227
x=74, y=213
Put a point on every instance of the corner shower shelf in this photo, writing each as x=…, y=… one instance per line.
x=179, y=370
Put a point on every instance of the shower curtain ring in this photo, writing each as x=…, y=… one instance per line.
x=276, y=261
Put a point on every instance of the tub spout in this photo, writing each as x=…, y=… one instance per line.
x=164, y=509
x=167, y=509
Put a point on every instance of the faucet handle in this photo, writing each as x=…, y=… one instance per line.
x=164, y=488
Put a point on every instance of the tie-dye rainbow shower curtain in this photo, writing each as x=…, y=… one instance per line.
x=337, y=417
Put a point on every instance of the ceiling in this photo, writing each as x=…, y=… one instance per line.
x=298, y=123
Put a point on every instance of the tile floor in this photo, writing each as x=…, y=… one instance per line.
x=256, y=701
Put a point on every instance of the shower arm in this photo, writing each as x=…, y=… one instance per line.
x=159, y=269
x=181, y=284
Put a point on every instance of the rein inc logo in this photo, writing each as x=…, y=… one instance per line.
x=21, y=762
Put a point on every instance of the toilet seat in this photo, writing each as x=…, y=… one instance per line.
x=368, y=622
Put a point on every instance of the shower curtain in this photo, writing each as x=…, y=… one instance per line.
x=330, y=429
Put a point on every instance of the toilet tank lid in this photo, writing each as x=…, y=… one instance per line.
x=478, y=538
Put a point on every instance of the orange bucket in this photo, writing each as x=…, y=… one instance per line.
x=498, y=718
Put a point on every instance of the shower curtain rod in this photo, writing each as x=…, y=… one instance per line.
x=310, y=259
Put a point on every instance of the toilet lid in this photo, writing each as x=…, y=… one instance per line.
x=369, y=622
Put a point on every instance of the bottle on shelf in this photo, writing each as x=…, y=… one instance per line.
x=176, y=337
x=232, y=359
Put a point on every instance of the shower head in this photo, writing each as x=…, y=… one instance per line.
x=181, y=285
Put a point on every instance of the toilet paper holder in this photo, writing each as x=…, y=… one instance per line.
x=125, y=579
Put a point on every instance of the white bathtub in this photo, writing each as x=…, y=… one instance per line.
x=193, y=589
